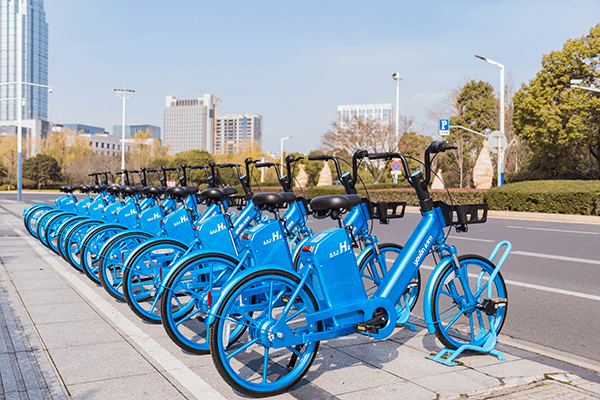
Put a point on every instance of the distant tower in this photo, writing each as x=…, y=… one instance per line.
x=35, y=69
x=189, y=124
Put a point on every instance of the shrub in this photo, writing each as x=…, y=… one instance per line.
x=556, y=196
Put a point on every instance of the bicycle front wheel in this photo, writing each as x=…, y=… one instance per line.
x=457, y=299
x=184, y=302
x=257, y=364
x=144, y=271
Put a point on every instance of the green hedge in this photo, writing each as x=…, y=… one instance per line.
x=556, y=196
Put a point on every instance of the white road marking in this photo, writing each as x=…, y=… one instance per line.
x=472, y=239
x=537, y=287
x=188, y=378
x=561, y=258
x=553, y=230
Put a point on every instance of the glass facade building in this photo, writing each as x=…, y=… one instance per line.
x=78, y=128
x=132, y=130
x=34, y=62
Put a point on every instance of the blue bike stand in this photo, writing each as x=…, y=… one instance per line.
x=492, y=340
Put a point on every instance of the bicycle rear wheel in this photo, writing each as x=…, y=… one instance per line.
x=456, y=307
x=258, y=364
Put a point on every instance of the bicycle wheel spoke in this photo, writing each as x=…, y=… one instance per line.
x=265, y=365
x=240, y=349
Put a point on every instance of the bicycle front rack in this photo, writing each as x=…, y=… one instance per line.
x=487, y=306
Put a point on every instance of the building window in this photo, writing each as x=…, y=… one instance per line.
x=96, y=144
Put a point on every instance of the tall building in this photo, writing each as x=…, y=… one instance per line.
x=234, y=131
x=189, y=124
x=34, y=60
x=132, y=130
x=379, y=112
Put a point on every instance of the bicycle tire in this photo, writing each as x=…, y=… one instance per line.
x=52, y=230
x=110, y=269
x=452, y=332
x=143, y=276
x=232, y=309
x=184, y=299
x=93, y=241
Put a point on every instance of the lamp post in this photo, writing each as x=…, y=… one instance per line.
x=500, y=151
x=123, y=94
x=281, y=148
x=576, y=84
x=397, y=78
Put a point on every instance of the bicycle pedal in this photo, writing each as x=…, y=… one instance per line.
x=373, y=325
x=491, y=306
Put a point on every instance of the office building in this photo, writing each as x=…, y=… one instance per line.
x=109, y=145
x=238, y=132
x=189, y=124
x=80, y=128
x=378, y=112
x=34, y=61
x=132, y=130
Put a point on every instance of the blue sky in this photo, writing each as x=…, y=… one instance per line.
x=291, y=62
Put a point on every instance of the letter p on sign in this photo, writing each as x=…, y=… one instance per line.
x=444, y=127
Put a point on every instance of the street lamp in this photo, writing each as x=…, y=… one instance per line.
x=281, y=149
x=397, y=78
x=500, y=151
x=576, y=84
x=123, y=94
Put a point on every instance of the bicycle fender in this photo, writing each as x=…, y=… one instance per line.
x=151, y=241
x=185, y=259
x=28, y=210
x=210, y=318
x=299, y=246
x=361, y=256
x=428, y=297
x=126, y=233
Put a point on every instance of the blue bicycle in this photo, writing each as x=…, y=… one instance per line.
x=284, y=314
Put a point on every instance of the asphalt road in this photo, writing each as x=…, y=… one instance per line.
x=552, y=274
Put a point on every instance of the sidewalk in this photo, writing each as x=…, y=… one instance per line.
x=64, y=337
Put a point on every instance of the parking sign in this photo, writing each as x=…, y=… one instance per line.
x=444, y=127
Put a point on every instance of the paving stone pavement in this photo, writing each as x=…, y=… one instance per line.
x=65, y=338
x=21, y=375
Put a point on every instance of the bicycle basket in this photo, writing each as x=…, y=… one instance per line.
x=463, y=214
x=384, y=211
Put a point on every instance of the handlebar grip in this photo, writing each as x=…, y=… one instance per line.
x=133, y=172
x=119, y=172
x=439, y=147
x=320, y=157
x=360, y=154
x=290, y=158
x=378, y=156
x=196, y=166
x=169, y=168
x=227, y=165
x=151, y=170
x=263, y=164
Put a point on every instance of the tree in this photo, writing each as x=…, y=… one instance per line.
x=364, y=134
x=562, y=125
x=412, y=144
x=3, y=170
x=42, y=169
x=474, y=109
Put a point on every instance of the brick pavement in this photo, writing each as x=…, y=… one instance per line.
x=74, y=337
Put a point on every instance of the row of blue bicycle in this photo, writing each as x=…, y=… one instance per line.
x=248, y=281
